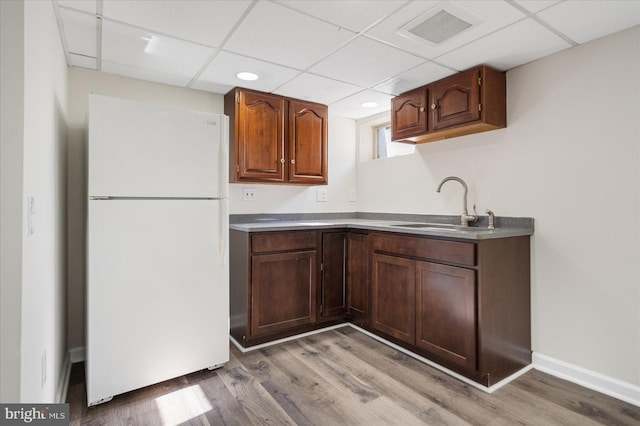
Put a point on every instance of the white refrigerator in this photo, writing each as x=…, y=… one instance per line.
x=157, y=245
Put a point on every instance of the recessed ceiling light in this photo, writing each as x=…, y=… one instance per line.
x=369, y=104
x=248, y=76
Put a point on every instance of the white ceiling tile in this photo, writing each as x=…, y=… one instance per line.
x=79, y=32
x=491, y=16
x=207, y=22
x=138, y=48
x=365, y=62
x=208, y=86
x=351, y=107
x=88, y=6
x=277, y=34
x=317, y=89
x=583, y=21
x=83, y=61
x=225, y=66
x=536, y=5
x=144, y=74
x=517, y=44
x=355, y=15
x=415, y=77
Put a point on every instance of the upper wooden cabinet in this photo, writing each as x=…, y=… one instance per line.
x=276, y=139
x=408, y=114
x=469, y=102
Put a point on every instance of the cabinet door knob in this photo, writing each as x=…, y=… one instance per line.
x=434, y=106
x=282, y=160
x=421, y=109
x=293, y=161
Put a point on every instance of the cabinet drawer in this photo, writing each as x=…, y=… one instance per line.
x=455, y=252
x=283, y=241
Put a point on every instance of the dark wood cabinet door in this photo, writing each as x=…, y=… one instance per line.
x=260, y=136
x=393, y=293
x=307, y=142
x=283, y=291
x=334, y=277
x=446, y=313
x=455, y=100
x=357, y=268
x=409, y=114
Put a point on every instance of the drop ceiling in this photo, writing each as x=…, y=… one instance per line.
x=340, y=53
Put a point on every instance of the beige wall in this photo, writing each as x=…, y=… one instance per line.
x=269, y=198
x=11, y=152
x=569, y=158
x=34, y=284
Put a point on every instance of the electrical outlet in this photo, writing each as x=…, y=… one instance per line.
x=249, y=194
x=321, y=195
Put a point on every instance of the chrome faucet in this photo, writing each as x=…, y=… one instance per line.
x=465, y=217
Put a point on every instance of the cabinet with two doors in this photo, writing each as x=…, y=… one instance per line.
x=289, y=282
x=462, y=304
x=274, y=139
x=467, y=102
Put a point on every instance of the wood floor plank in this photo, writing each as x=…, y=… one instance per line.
x=344, y=377
x=599, y=407
x=342, y=362
x=452, y=395
x=257, y=404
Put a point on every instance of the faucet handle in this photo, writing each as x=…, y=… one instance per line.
x=475, y=214
x=491, y=219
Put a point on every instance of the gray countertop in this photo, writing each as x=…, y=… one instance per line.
x=437, y=229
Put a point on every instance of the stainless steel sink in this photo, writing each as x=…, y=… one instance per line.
x=440, y=227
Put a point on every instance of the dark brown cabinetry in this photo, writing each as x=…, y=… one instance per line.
x=408, y=114
x=469, y=102
x=334, y=274
x=462, y=304
x=277, y=287
x=276, y=139
x=446, y=312
x=357, y=277
x=308, y=162
x=393, y=296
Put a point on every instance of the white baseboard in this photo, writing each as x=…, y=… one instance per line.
x=598, y=382
x=63, y=381
x=76, y=354
x=286, y=339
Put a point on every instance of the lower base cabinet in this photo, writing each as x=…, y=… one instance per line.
x=393, y=292
x=463, y=304
x=286, y=283
x=446, y=313
x=283, y=289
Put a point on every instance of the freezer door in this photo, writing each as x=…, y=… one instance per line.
x=157, y=292
x=137, y=149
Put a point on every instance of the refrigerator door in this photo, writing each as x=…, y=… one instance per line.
x=157, y=292
x=145, y=150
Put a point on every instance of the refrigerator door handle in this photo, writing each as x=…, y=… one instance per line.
x=224, y=232
x=223, y=158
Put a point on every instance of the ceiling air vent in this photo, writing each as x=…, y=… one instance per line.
x=440, y=24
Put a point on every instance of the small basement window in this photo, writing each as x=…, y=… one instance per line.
x=385, y=148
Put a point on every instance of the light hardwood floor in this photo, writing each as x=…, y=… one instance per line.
x=344, y=377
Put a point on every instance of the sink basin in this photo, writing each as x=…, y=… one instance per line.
x=440, y=227
x=429, y=225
